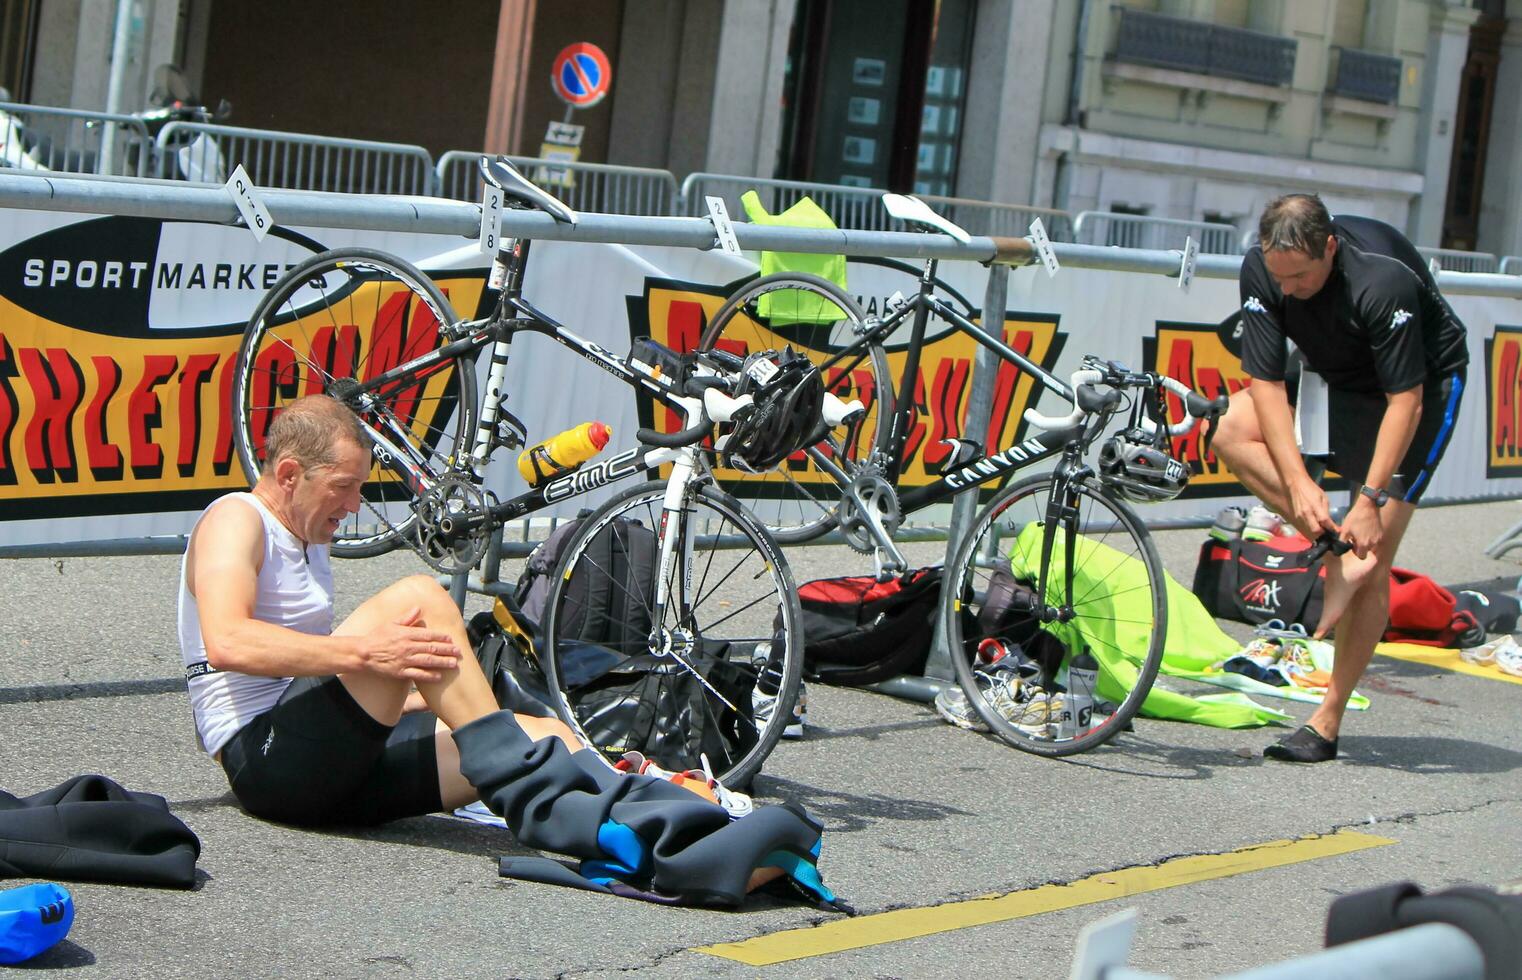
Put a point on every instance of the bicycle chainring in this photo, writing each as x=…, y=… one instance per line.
x=880, y=498
x=445, y=512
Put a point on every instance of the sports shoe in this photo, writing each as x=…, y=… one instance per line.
x=1006, y=683
x=763, y=705
x=1509, y=657
x=699, y=781
x=1483, y=655
x=1261, y=524
x=1229, y=524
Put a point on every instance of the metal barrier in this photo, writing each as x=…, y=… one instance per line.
x=597, y=187
x=1145, y=232
x=1511, y=265
x=296, y=160
x=1455, y=260
x=861, y=209
x=36, y=137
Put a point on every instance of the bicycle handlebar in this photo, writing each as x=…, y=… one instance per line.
x=1081, y=377
x=1195, y=405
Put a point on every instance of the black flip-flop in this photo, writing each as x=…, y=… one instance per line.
x=1305, y=744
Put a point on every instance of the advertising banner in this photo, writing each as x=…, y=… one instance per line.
x=118, y=338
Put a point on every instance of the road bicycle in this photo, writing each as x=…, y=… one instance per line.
x=1071, y=536
x=372, y=331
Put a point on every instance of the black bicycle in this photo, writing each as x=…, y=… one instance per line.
x=1068, y=537
x=374, y=332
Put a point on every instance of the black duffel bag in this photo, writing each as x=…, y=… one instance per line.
x=858, y=631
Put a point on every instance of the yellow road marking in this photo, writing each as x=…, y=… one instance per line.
x=1443, y=658
x=839, y=935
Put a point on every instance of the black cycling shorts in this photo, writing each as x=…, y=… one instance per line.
x=317, y=758
x=1354, y=427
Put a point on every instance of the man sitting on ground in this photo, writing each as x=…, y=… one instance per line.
x=301, y=714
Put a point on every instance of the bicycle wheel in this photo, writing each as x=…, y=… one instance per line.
x=1015, y=670
x=797, y=500
x=683, y=685
x=352, y=314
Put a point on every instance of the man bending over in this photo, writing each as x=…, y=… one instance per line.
x=1357, y=300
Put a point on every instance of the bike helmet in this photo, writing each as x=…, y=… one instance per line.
x=787, y=399
x=1139, y=471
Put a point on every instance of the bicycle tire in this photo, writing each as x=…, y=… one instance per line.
x=785, y=499
x=320, y=317
x=759, y=605
x=1031, y=724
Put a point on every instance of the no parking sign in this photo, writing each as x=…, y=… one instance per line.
x=581, y=75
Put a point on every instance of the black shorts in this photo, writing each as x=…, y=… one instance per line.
x=1354, y=426
x=317, y=758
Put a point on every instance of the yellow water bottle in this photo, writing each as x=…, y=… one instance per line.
x=562, y=453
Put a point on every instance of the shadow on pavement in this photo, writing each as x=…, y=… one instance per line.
x=1427, y=754
x=1149, y=759
x=64, y=956
x=846, y=813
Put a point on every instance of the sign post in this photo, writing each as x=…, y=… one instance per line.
x=581, y=77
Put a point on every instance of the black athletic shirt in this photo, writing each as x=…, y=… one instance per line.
x=1378, y=325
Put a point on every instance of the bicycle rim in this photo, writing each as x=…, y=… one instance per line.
x=797, y=501
x=730, y=628
x=353, y=314
x=1119, y=599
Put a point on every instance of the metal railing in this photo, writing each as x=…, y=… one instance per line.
x=1184, y=44
x=36, y=137
x=861, y=208
x=1456, y=260
x=1144, y=231
x=601, y=187
x=1366, y=75
x=1511, y=265
x=299, y=161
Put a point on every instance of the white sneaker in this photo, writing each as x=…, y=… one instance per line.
x=1509, y=657
x=1261, y=524
x=762, y=706
x=477, y=812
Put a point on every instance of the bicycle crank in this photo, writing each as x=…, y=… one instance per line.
x=869, y=513
x=452, y=530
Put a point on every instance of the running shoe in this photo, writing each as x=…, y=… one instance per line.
x=1006, y=683
x=1261, y=524
x=763, y=705
x=1484, y=655
x=1509, y=657
x=1229, y=524
x=699, y=781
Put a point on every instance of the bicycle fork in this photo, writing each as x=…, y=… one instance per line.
x=1061, y=517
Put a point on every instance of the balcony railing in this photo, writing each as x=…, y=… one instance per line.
x=1206, y=49
x=1367, y=76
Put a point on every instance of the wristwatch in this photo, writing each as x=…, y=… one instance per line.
x=1377, y=494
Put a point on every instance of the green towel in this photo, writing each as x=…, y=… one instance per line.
x=788, y=306
x=1115, y=622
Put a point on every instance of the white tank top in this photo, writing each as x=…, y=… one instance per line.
x=295, y=591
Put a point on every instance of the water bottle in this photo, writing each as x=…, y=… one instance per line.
x=1078, y=703
x=562, y=453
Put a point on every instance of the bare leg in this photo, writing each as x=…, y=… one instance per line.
x=1367, y=614
x=1239, y=442
x=1344, y=575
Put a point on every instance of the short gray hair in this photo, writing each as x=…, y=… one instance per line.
x=309, y=430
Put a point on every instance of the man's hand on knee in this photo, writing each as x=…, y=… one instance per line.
x=409, y=652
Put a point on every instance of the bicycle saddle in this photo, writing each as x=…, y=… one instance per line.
x=911, y=209
x=506, y=177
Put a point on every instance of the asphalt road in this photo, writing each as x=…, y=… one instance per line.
x=921, y=816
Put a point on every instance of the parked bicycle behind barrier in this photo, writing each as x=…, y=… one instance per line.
x=372, y=331
x=1069, y=536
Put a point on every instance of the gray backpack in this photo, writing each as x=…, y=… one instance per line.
x=610, y=594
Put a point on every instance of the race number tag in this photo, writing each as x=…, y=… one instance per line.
x=1186, y=267
x=719, y=215
x=761, y=370
x=491, y=219
x=1043, y=247
x=250, y=205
